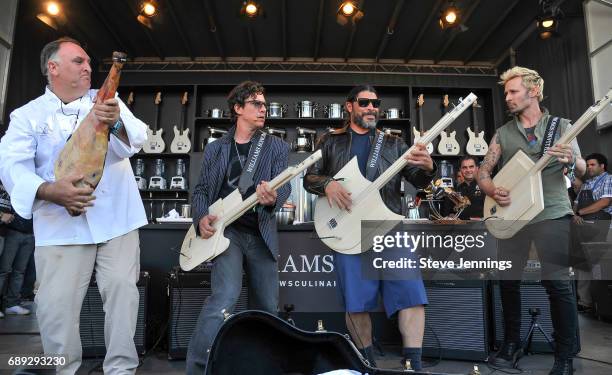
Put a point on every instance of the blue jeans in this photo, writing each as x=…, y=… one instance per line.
x=226, y=283
x=14, y=260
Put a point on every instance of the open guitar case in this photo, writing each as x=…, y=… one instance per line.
x=255, y=342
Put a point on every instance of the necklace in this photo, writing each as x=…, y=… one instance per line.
x=238, y=153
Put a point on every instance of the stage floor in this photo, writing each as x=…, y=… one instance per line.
x=19, y=334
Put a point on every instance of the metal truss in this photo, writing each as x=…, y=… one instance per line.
x=303, y=67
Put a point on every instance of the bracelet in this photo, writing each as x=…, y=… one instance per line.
x=115, y=128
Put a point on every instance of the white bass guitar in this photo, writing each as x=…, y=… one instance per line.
x=181, y=143
x=155, y=143
x=448, y=144
x=341, y=230
x=420, y=132
x=196, y=250
x=476, y=145
x=523, y=179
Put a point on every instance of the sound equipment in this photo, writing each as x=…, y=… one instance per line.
x=92, y=319
x=187, y=293
x=420, y=132
x=523, y=179
x=258, y=343
x=196, y=249
x=533, y=295
x=457, y=320
x=339, y=229
x=448, y=144
x=155, y=143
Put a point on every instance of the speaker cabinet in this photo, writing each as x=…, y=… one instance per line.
x=188, y=292
x=92, y=319
x=456, y=320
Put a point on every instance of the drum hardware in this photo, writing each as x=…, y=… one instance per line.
x=305, y=140
x=214, y=134
x=158, y=181
x=306, y=109
x=393, y=113
x=281, y=133
x=141, y=181
x=396, y=132
x=215, y=113
x=276, y=110
x=179, y=181
x=334, y=110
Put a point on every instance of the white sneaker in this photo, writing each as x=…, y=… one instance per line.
x=17, y=310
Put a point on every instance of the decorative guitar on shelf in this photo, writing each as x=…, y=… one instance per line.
x=476, y=146
x=448, y=144
x=155, y=143
x=341, y=230
x=181, y=143
x=420, y=132
x=196, y=250
x=523, y=179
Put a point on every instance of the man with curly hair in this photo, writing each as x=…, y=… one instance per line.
x=245, y=158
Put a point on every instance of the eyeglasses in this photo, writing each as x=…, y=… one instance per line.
x=257, y=103
x=363, y=103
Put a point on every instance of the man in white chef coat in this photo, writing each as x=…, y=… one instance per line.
x=78, y=230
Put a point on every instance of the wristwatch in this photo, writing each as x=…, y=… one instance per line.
x=115, y=128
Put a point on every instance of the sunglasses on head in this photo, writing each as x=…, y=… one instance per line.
x=257, y=103
x=363, y=103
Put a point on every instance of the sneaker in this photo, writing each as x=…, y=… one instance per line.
x=17, y=310
x=507, y=356
x=562, y=366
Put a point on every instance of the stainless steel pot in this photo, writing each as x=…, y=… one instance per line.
x=306, y=109
x=334, y=110
x=185, y=210
x=276, y=110
x=393, y=113
x=286, y=215
x=216, y=113
x=281, y=133
x=304, y=142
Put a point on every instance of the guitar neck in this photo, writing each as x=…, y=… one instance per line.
x=421, y=120
x=475, y=115
x=278, y=181
x=155, y=123
x=576, y=128
x=432, y=134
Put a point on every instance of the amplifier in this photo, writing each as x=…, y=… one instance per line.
x=187, y=293
x=92, y=319
x=456, y=320
x=533, y=295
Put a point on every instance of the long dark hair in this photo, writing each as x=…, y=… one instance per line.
x=352, y=95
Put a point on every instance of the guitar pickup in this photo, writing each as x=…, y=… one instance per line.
x=332, y=223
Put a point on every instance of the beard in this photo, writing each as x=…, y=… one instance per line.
x=359, y=120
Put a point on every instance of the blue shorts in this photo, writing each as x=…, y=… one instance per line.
x=360, y=294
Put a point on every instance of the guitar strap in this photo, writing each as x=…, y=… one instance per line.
x=248, y=172
x=374, y=155
x=549, y=134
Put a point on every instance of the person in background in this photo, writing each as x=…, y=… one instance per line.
x=5, y=218
x=468, y=188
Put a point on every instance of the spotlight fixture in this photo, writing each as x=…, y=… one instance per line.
x=450, y=16
x=547, y=25
x=251, y=9
x=348, y=11
x=52, y=8
x=148, y=9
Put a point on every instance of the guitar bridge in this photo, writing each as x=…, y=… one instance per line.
x=332, y=223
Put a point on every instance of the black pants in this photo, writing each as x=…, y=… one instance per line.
x=551, y=238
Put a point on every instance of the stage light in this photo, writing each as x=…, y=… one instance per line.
x=450, y=16
x=53, y=8
x=250, y=9
x=347, y=8
x=348, y=11
x=47, y=20
x=148, y=8
x=547, y=26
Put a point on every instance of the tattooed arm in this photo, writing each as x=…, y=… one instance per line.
x=501, y=195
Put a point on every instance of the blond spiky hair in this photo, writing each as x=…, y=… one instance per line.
x=531, y=79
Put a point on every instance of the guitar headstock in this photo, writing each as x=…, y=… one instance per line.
x=130, y=99
x=445, y=101
x=158, y=97
x=475, y=105
x=420, y=100
x=184, y=99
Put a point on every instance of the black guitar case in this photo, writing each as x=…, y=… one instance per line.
x=255, y=342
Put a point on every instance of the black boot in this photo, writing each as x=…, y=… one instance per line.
x=507, y=356
x=562, y=366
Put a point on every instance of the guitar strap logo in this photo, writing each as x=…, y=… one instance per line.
x=549, y=134
x=373, y=157
x=246, y=177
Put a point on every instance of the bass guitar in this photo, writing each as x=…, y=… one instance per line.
x=476, y=146
x=420, y=132
x=181, y=143
x=448, y=144
x=155, y=143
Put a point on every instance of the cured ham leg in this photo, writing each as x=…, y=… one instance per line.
x=85, y=151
